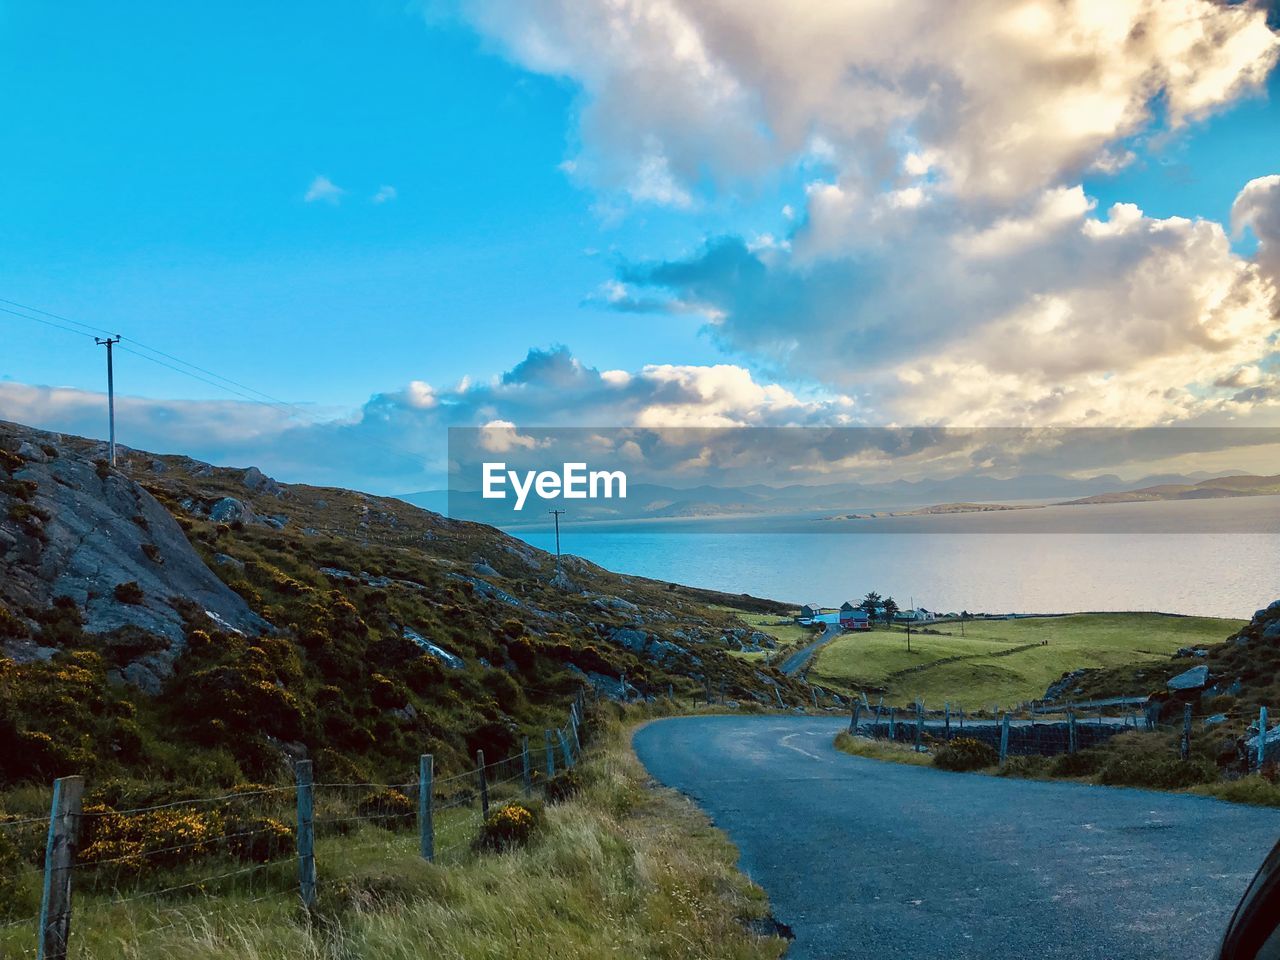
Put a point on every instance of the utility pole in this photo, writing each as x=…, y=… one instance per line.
x=913, y=616
x=111, y=392
x=557, y=514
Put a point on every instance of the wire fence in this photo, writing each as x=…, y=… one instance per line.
x=206, y=860
x=1047, y=729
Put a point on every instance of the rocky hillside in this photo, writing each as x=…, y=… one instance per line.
x=172, y=619
x=1225, y=683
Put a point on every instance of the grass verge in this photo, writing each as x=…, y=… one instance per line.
x=880, y=750
x=621, y=869
x=1147, y=761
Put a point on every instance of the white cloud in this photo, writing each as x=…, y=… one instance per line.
x=324, y=190
x=385, y=194
x=998, y=98
x=948, y=264
x=1050, y=313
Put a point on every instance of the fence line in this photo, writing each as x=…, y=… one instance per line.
x=1034, y=735
x=107, y=849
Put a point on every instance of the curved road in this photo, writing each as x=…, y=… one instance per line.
x=881, y=860
x=795, y=662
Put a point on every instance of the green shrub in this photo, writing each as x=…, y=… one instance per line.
x=388, y=808
x=10, y=625
x=258, y=839
x=1030, y=766
x=1083, y=764
x=965, y=753
x=510, y=826
x=564, y=785
x=1163, y=773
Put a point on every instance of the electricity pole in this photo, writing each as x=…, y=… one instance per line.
x=111, y=392
x=557, y=514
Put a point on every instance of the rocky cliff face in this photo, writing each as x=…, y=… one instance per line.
x=72, y=527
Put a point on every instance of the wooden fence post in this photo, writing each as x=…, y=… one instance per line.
x=1262, y=736
x=853, y=720
x=551, y=755
x=893, y=723
x=526, y=769
x=564, y=749
x=484, y=784
x=962, y=719
x=1004, y=739
x=59, y=858
x=1071, y=731
x=946, y=720
x=426, y=824
x=1186, y=731
x=306, y=834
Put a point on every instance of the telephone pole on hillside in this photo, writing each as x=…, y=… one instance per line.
x=111, y=393
x=557, y=514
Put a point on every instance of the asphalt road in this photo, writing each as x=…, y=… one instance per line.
x=880, y=860
x=795, y=662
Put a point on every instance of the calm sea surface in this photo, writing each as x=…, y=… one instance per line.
x=1026, y=561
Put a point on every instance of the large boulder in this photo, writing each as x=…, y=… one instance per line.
x=1194, y=679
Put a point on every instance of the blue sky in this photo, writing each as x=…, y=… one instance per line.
x=156, y=158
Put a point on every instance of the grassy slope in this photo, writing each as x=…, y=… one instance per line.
x=625, y=869
x=781, y=628
x=993, y=669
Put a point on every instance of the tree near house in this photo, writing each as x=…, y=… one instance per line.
x=890, y=608
x=871, y=603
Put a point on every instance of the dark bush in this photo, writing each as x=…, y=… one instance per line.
x=388, y=808
x=1083, y=764
x=1028, y=766
x=564, y=786
x=965, y=753
x=1164, y=773
x=129, y=592
x=258, y=839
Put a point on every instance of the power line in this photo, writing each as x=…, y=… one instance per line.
x=55, y=316
x=188, y=373
x=143, y=346
x=194, y=371
x=47, y=323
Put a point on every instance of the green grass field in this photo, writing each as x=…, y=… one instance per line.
x=1004, y=661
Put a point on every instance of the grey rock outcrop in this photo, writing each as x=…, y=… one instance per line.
x=1192, y=679
x=97, y=530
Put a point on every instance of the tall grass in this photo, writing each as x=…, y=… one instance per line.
x=623, y=869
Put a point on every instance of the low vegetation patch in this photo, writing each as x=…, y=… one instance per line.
x=619, y=869
x=510, y=827
x=881, y=750
x=965, y=753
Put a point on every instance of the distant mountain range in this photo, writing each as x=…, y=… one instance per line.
x=648, y=501
x=1214, y=488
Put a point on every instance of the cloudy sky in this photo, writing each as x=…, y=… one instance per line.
x=327, y=234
